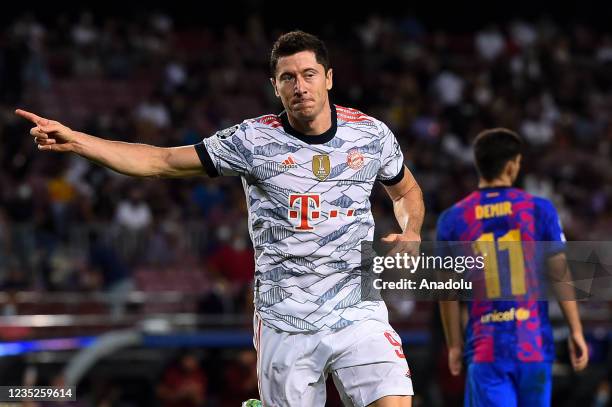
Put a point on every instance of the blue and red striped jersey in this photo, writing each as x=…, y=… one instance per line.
x=515, y=232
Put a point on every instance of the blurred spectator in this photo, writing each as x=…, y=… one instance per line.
x=240, y=379
x=133, y=216
x=490, y=43
x=84, y=32
x=602, y=397
x=13, y=57
x=11, y=284
x=5, y=241
x=110, y=273
x=233, y=259
x=449, y=88
x=183, y=383
x=523, y=34
x=604, y=52
x=535, y=128
x=62, y=196
x=154, y=111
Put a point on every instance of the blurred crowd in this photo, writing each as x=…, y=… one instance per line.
x=68, y=224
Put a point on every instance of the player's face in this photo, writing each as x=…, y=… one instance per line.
x=302, y=85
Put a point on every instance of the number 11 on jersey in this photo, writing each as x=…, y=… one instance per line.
x=511, y=242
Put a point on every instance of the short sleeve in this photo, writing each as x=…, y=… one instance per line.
x=392, y=160
x=549, y=226
x=444, y=229
x=227, y=152
x=444, y=233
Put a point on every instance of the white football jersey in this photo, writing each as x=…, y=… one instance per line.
x=308, y=199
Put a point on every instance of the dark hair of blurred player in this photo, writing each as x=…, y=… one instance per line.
x=493, y=149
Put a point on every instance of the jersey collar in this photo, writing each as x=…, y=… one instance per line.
x=493, y=188
x=312, y=139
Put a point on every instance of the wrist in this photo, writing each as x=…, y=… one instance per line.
x=412, y=235
x=576, y=331
x=78, y=141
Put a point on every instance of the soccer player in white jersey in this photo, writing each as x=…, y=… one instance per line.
x=307, y=174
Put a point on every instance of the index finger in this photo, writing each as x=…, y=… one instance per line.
x=29, y=116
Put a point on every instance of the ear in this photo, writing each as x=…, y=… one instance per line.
x=513, y=166
x=518, y=163
x=329, y=79
x=273, y=82
x=509, y=167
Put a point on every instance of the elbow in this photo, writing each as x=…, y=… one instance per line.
x=417, y=195
x=417, y=189
x=161, y=167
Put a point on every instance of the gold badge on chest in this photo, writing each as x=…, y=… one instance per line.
x=321, y=166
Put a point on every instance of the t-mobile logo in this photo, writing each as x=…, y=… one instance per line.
x=306, y=207
x=302, y=202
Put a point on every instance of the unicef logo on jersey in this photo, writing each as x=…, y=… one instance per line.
x=513, y=314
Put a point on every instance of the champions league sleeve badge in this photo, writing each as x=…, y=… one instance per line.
x=223, y=134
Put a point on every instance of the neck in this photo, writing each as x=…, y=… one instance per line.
x=315, y=126
x=497, y=182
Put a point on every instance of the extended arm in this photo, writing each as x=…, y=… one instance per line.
x=139, y=160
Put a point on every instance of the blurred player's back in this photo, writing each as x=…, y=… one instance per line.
x=509, y=346
x=497, y=219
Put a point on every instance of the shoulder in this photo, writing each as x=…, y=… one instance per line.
x=350, y=115
x=268, y=120
x=456, y=216
x=448, y=215
x=468, y=202
x=543, y=208
x=543, y=205
x=445, y=225
x=252, y=129
x=445, y=216
x=539, y=203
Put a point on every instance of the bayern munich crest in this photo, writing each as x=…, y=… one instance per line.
x=355, y=159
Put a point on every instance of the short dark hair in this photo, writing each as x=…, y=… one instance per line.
x=493, y=148
x=297, y=41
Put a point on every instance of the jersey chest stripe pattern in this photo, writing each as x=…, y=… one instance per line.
x=309, y=213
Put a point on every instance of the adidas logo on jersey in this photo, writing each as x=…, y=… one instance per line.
x=288, y=163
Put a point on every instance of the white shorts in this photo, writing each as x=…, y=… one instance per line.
x=365, y=359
